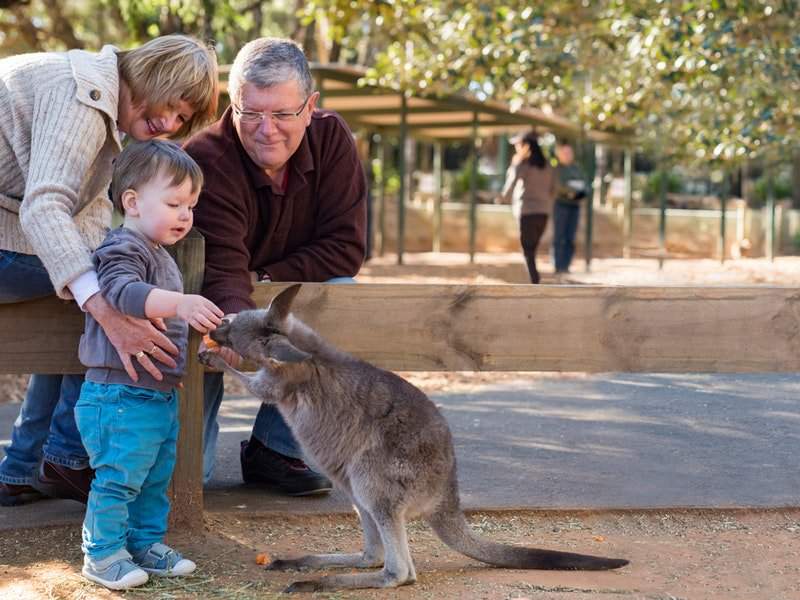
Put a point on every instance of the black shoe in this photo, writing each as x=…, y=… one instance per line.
x=12, y=494
x=290, y=476
x=58, y=481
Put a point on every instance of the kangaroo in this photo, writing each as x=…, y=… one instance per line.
x=378, y=438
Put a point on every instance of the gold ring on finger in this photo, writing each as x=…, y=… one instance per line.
x=153, y=349
x=139, y=355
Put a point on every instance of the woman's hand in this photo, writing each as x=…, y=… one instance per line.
x=133, y=338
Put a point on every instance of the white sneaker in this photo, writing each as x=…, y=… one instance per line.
x=117, y=572
x=163, y=561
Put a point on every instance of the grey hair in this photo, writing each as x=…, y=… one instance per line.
x=265, y=62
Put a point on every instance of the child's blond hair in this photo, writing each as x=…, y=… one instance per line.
x=171, y=68
x=141, y=162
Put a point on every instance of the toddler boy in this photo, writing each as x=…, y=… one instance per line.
x=130, y=428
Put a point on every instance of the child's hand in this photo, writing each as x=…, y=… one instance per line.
x=199, y=312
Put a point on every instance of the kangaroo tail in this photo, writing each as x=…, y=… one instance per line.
x=452, y=527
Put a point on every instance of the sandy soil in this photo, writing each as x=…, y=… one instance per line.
x=712, y=555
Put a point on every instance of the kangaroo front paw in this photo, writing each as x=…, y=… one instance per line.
x=210, y=359
x=304, y=586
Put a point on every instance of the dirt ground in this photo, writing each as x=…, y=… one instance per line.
x=710, y=554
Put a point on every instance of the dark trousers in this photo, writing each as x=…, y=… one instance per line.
x=531, y=228
x=565, y=225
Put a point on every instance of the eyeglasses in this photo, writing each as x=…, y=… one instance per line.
x=252, y=116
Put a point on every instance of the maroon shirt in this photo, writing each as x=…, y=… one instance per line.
x=314, y=231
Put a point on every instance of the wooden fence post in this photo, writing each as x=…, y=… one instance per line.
x=186, y=489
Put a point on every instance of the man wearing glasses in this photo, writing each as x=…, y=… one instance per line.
x=284, y=200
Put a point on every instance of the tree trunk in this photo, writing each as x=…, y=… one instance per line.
x=796, y=178
x=208, y=17
x=62, y=28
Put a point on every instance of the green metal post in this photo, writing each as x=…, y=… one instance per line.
x=401, y=193
x=383, y=154
x=723, y=199
x=627, y=225
x=473, y=188
x=502, y=156
x=437, y=207
x=662, y=218
x=770, y=216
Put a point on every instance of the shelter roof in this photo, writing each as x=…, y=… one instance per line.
x=432, y=117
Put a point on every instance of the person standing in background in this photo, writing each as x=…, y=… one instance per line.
x=566, y=212
x=530, y=187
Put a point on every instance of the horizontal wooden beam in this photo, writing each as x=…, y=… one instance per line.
x=495, y=328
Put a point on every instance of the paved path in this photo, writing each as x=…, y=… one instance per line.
x=571, y=441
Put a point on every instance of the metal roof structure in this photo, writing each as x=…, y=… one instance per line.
x=454, y=117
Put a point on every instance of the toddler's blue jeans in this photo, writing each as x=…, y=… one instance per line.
x=131, y=435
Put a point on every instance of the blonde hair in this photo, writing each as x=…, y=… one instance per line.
x=141, y=162
x=171, y=68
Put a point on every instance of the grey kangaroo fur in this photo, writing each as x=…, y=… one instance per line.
x=378, y=438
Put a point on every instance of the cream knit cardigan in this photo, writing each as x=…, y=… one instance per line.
x=58, y=140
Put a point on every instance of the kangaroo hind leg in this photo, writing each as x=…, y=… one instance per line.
x=397, y=567
x=371, y=556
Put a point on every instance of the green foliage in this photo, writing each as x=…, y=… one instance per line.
x=392, y=185
x=714, y=80
x=460, y=182
x=35, y=25
x=704, y=81
x=781, y=188
x=652, y=187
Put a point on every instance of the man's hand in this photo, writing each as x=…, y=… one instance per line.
x=201, y=313
x=132, y=337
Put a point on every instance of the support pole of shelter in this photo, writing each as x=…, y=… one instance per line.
x=662, y=217
x=401, y=193
x=627, y=224
x=473, y=188
x=770, y=241
x=380, y=155
x=384, y=156
x=723, y=200
x=437, y=191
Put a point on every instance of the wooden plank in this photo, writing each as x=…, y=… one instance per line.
x=557, y=328
x=40, y=336
x=498, y=327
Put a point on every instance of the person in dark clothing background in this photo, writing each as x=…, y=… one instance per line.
x=530, y=187
x=570, y=192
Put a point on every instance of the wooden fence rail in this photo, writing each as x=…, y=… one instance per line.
x=465, y=328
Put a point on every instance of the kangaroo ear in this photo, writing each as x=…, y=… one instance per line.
x=281, y=304
x=282, y=351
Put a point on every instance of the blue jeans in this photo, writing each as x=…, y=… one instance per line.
x=269, y=428
x=565, y=226
x=46, y=421
x=131, y=434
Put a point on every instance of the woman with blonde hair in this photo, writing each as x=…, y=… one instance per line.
x=63, y=116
